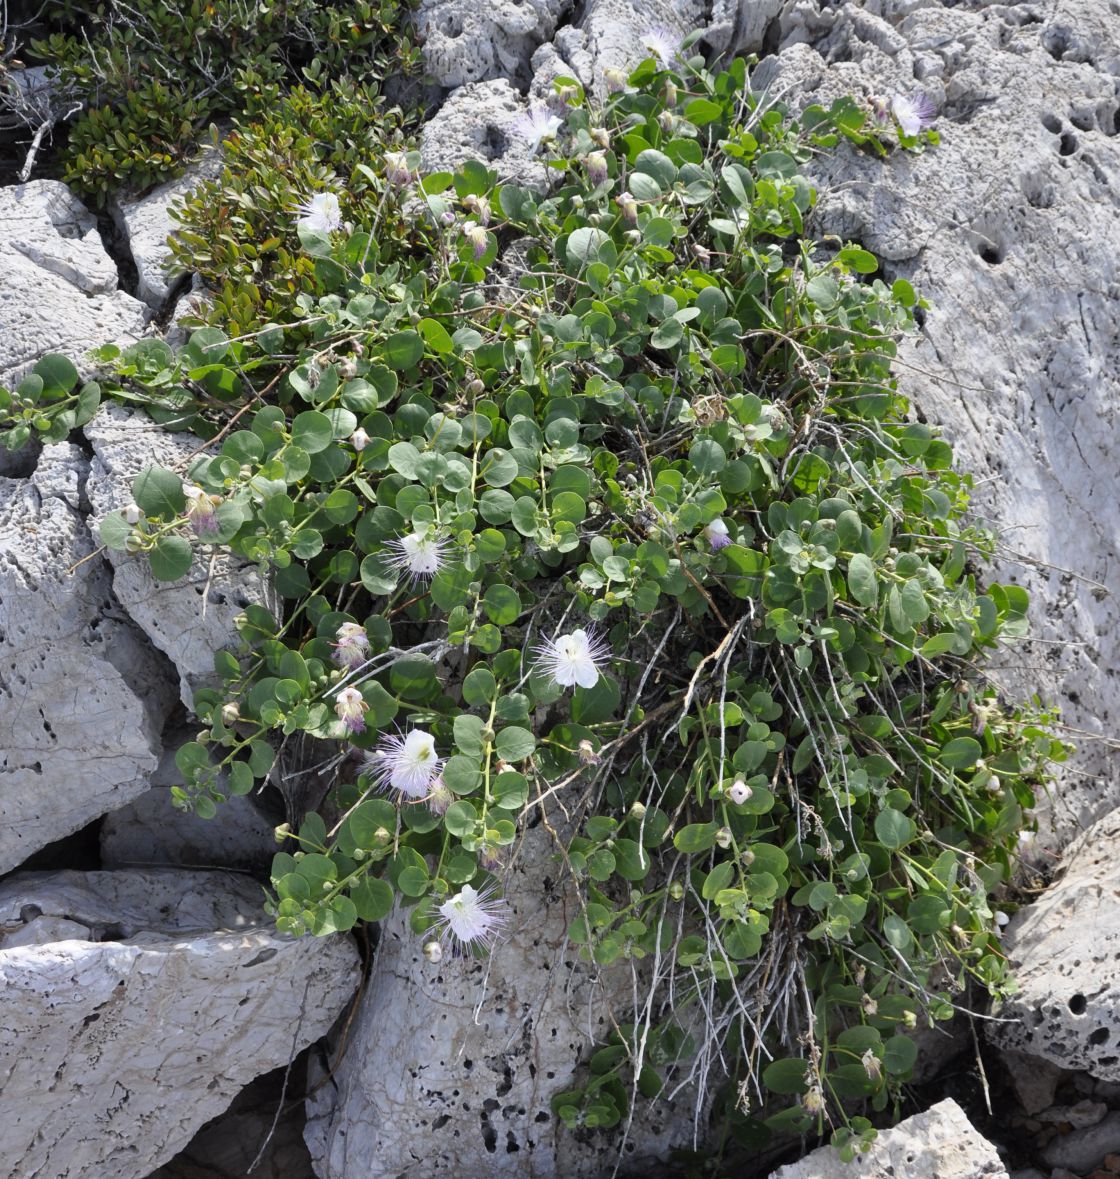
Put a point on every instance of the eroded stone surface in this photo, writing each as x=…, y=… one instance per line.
x=191, y=618
x=83, y=697
x=1064, y=948
x=940, y=1143
x=1011, y=229
x=119, y=1047
x=146, y=224
x=59, y=292
x=450, y=1068
x=465, y=41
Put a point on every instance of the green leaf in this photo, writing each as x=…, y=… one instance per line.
x=502, y=605
x=373, y=899
x=786, y=1076
x=863, y=585
x=170, y=558
x=515, y=743
x=961, y=753
x=57, y=373
x=900, y=1054
x=696, y=837
x=893, y=829
x=114, y=530
x=583, y=245
x=403, y=350
x=435, y=336
x=159, y=492
x=312, y=431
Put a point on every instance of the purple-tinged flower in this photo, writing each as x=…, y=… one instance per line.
x=474, y=918
x=615, y=79
x=359, y=440
x=664, y=44
x=717, y=535
x=321, y=213
x=477, y=237
x=408, y=764
x=597, y=170
x=628, y=207
x=351, y=645
x=397, y=171
x=439, y=797
x=913, y=112
x=420, y=554
x=201, y=510
x=479, y=206
x=573, y=659
x=350, y=708
x=536, y=126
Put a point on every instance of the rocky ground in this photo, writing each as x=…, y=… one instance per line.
x=144, y=989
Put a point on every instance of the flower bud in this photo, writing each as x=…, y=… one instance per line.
x=359, y=440
x=628, y=207
x=433, y=951
x=597, y=171
x=476, y=388
x=813, y=1101
x=381, y=837
x=676, y=890
x=132, y=513
x=637, y=811
x=724, y=837
x=231, y=714
x=282, y=832
x=669, y=90
x=347, y=369
x=869, y=1005
x=666, y=121
x=740, y=792
x=615, y=80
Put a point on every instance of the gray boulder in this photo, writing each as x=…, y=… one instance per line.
x=193, y=617
x=124, y=1038
x=938, y=1144
x=1064, y=948
x=1011, y=229
x=83, y=696
x=465, y=41
x=450, y=1067
x=59, y=292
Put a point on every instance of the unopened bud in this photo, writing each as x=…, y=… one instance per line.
x=676, y=890
x=666, y=121
x=724, y=837
x=381, y=837
x=132, y=513
x=231, y=714
x=870, y=1006
x=359, y=440
x=740, y=792
x=433, y=951
x=637, y=811
x=282, y=832
x=476, y=388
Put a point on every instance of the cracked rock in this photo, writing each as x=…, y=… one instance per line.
x=940, y=1143
x=1011, y=229
x=1064, y=948
x=465, y=41
x=121, y=1042
x=59, y=292
x=83, y=697
x=430, y=1087
x=189, y=619
x=146, y=224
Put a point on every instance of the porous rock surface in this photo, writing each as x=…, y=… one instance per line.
x=1064, y=949
x=193, y=617
x=164, y=998
x=83, y=696
x=59, y=290
x=467, y=41
x=940, y=1143
x=449, y=1068
x=1011, y=229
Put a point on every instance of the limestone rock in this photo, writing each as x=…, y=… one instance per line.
x=739, y=26
x=145, y=223
x=1085, y=1147
x=480, y=122
x=119, y=1046
x=1064, y=949
x=149, y=831
x=465, y=41
x=1011, y=229
x=191, y=618
x=59, y=292
x=938, y=1144
x=609, y=34
x=450, y=1067
x=82, y=696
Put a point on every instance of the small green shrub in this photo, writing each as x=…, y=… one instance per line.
x=602, y=508
x=238, y=231
x=153, y=75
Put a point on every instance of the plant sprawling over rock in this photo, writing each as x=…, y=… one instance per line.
x=600, y=509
